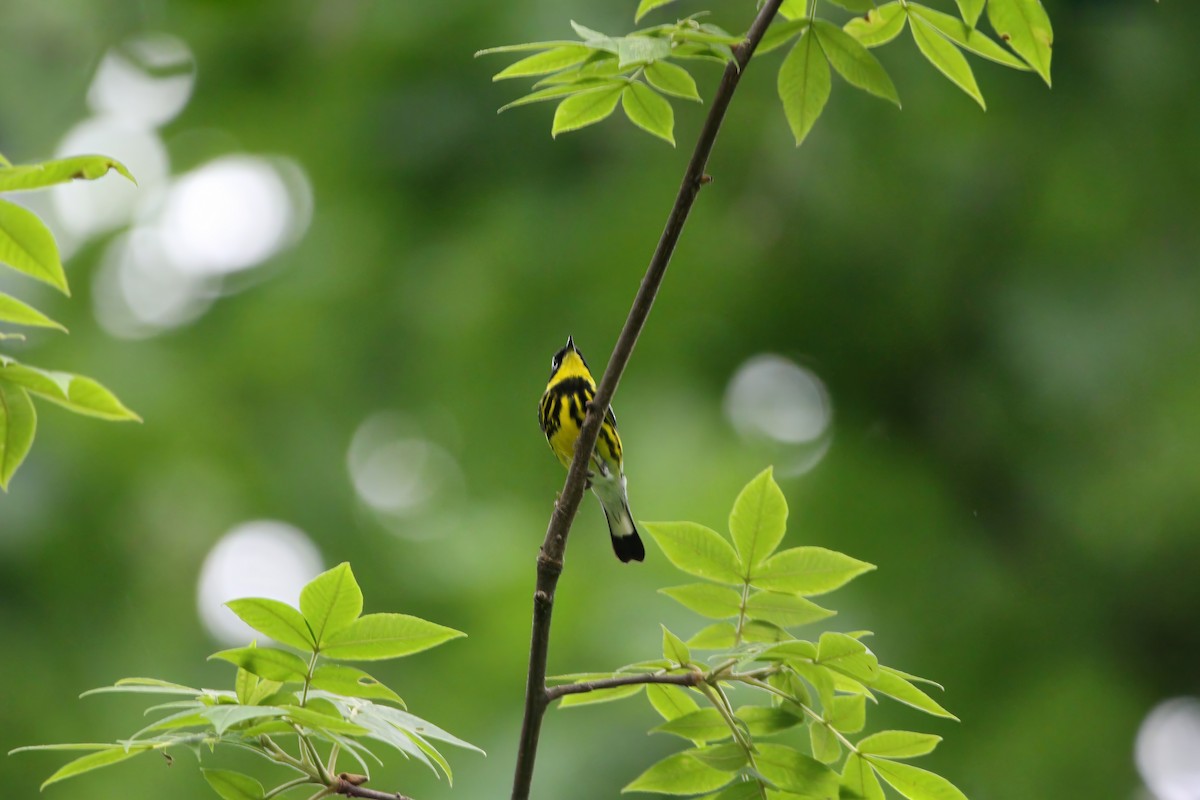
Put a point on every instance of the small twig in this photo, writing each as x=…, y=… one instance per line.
x=344, y=784
x=683, y=679
x=550, y=558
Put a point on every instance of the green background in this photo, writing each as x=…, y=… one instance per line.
x=1003, y=307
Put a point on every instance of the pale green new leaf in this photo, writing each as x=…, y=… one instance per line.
x=767, y=720
x=380, y=636
x=825, y=746
x=697, y=550
x=848, y=713
x=758, y=520
x=898, y=744
x=672, y=79
x=18, y=425
x=804, y=85
x=312, y=718
x=414, y=724
x=558, y=91
x=525, y=47
x=859, y=779
x=96, y=760
x=725, y=757
x=679, y=774
x=18, y=313
x=779, y=34
x=641, y=49
x=27, y=246
x=674, y=649
x=244, y=686
x=552, y=60
x=648, y=110
x=232, y=785
x=646, y=6
x=330, y=602
x=879, y=26
x=73, y=392
x=671, y=702
x=595, y=39
x=967, y=37
x=266, y=662
x=854, y=62
x=847, y=655
x=702, y=725
x=1026, y=27
x=144, y=685
x=707, y=599
x=913, y=782
x=970, y=10
x=793, y=9
x=792, y=771
x=946, y=57
x=48, y=173
x=760, y=631
x=585, y=108
x=743, y=790
x=225, y=716
x=720, y=636
x=352, y=682
x=276, y=619
x=600, y=695
x=808, y=571
x=784, y=610
x=896, y=685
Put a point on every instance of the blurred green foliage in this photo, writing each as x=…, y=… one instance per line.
x=1003, y=307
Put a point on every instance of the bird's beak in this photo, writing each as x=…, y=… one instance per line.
x=570, y=343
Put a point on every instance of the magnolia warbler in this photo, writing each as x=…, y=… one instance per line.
x=561, y=413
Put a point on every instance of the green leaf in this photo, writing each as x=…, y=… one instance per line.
x=414, y=724
x=784, y=610
x=697, y=550
x=646, y=6
x=946, y=57
x=563, y=90
x=766, y=720
x=641, y=50
x=792, y=771
x=860, y=780
x=244, y=686
x=808, y=571
x=47, y=173
x=820, y=678
x=779, y=34
x=145, y=685
x=671, y=702
x=276, y=619
x=793, y=9
x=804, y=85
x=848, y=713
x=707, y=599
x=586, y=108
x=232, y=785
x=311, y=718
x=966, y=36
x=552, y=60
x=854, y=62
x=672, y=79
x=14, y=311
x=18, y=425
x=600, y=696
x=266, y=662
x=702, y=725
x=330, y=602
x=344, y=680
x=380, y=636
x=893, y=683
x=760, y=631
x=787, y=651
x=913, y=782
x=525, y=47
x=758, y=520
x=27, y=246
x=595, y=38
x=847, y=655
x=73, y=392
x=225, y=716
x=970, y=10
x=715, y=637
x=1026, y=27
x=725, y=757
x=680, y=773
x=898, y=744
x=649, y=110
x=101, y=758
x=825, y=746
x=674, y=649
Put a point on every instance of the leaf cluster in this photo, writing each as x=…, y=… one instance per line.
x=801, y=738
x=301, y=708
x=589, y=77
x=28, y=247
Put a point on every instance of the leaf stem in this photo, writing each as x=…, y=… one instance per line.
x=550, y=557
x=807, y=711
x=283, y=787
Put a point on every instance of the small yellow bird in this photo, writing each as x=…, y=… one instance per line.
x=561, y=413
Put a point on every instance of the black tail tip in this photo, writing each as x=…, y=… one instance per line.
x=629, y=548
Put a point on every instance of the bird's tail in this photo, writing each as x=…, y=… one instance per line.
x=625, y=540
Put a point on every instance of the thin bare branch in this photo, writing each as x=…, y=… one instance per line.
x=685, y=679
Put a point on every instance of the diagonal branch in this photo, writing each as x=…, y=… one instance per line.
x=684, y=679
x=550, y=558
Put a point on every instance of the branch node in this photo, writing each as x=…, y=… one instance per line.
x=706, y=179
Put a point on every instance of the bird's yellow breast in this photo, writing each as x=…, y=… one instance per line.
x=563, y=407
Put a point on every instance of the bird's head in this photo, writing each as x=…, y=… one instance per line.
x=568, y=361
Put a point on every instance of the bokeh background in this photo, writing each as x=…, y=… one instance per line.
x=969, y=342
